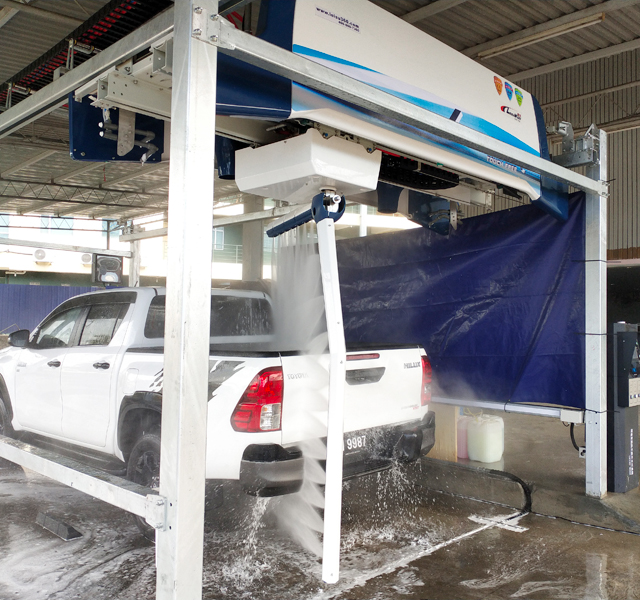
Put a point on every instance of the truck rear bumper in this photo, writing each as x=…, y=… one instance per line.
x=404, y=443
x=271, y=470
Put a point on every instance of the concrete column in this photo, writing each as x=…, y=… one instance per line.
x=252, y=242
x=134, y=261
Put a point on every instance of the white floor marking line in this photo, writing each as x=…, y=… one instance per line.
x=340, y=587
x=500, y=522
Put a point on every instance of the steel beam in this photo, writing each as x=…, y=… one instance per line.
x=271, y=213
x=513, y=407
x=119, y=492
x=301, y=70
x=56, y=93
x=179, y=547
x=51, y=246
x=596, y=332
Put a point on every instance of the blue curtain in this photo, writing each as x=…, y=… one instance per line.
x=497, y=304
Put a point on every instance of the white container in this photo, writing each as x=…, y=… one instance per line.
x=485, y=438
x=463, y=423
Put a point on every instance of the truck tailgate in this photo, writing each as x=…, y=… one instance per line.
x=382, y=388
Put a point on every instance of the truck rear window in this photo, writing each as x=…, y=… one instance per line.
x=230, y=316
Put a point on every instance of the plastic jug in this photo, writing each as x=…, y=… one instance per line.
x=462, y=437
x=485, y=438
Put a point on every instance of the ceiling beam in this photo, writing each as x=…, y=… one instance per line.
x=536, y=38
x=611, y=90
x=6, y=14
x=141, y=171
x=64, y=192
x=42, y=13
x=26, y=163
x=134, y=213
x=431, y=9
x=56, y=93
x=543, y=28
x=217, y=222
x=80, y=171
x=576, y=60
x=51, y=246
x=38, y=205
x=19, y=142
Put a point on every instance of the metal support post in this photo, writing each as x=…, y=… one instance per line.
x=335, y=421
x=252, y=242
x=179, y=547
x=596, y=329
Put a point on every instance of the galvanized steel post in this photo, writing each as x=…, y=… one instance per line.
x=596, y=330
x=179, y=549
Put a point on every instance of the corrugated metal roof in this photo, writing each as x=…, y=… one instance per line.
x=24, y=38
x=466, y=25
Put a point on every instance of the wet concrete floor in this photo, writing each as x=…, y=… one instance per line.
x=399, y=541
x=417, y=533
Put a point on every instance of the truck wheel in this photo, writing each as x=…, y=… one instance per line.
x=143, y=467
x=6, y=429
x=5, y=422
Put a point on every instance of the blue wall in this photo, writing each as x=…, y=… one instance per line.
x=24, y=306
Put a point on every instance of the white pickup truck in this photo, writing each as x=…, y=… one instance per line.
x=88, y=380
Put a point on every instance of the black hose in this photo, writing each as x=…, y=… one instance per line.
x=526, y=490
x=573, y=439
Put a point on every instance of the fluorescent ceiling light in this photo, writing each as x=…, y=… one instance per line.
x=540, y=36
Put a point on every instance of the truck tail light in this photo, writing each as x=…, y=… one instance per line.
x=425, y=391
x=260, y=408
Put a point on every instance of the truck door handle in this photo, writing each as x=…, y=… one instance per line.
x=54, y=363
x=101, y=365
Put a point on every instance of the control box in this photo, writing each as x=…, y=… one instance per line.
x=623, y=399
x=624, y=365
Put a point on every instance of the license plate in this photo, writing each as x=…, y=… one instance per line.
x=354, y=442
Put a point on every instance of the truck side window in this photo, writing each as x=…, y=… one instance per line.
x=102, y=323
x=230, y=316
x=56, y=333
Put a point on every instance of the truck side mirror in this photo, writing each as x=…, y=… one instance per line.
x=19, y=338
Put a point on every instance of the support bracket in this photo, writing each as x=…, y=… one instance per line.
x=578, y=152
x=156, y=511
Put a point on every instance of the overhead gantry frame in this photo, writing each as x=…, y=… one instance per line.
x=198, y=36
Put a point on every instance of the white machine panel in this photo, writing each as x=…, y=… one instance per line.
x=298, y=168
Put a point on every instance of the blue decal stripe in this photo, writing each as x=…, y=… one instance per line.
x=304, y=51
x=532, y=178
x=471, y=121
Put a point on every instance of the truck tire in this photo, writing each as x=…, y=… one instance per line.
x=143, y=467
x=5, y=422
x=6, y=429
